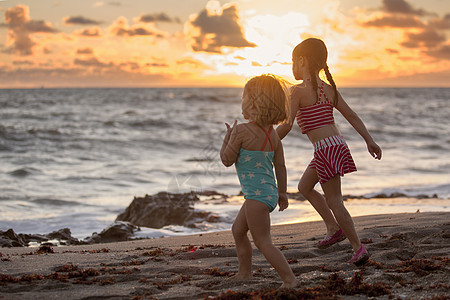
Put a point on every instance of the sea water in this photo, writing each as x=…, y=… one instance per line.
x=76, y=157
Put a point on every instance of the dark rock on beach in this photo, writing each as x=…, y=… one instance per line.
x=154, y=211
x=162, y=209
x=11, y=239
x=118, y=231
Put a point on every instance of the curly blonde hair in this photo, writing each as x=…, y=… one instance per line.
x=267, y=94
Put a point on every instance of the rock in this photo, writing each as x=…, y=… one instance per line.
x=63, y=236
x=10, y=239
x=118, y=231
x=164, y=209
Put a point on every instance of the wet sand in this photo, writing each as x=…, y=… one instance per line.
x=409, y=260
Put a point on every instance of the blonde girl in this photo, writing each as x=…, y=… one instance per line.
x=312, y=104
x=255, y=148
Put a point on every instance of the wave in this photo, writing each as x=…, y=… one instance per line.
x=213, y=95
x=86, y=178
x=23, y=172
x=45, y=132
x=57, y=202
x=160, y=123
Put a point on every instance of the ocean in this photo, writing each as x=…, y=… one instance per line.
x=76, y=157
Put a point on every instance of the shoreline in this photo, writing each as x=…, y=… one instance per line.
x=409, y=259
x=210, y=212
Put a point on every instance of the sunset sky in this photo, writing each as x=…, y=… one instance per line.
x=184, y=43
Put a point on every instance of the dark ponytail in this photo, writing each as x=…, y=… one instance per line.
x=315, y=86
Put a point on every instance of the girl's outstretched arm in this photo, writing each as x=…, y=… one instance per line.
x=230, y=146
x=359, y=126
x=294, y=103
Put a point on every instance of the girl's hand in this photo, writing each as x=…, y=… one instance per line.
x=230, y=129
x=283, y=202
x=374, y=150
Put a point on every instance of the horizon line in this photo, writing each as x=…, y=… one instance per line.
x=204, y=87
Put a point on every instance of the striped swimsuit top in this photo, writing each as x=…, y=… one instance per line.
x=316, y=115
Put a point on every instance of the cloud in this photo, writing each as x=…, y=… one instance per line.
x=427, y=38
x=80, y=20
x=131, y=65
x=395, y=21
x=161, y=17
x=442, y=52
x=189, y=61
x=430, y=38
x=79, y=77
x=92, y=62
x=20, y=26
x=441, y=23
x=121, y=28
x=401, y=7
x=398, y=14
x=392, y=51
x=90, y=32
x=23, y=62
x=213, y=29
x=85, y=51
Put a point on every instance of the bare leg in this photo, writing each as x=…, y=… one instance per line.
x=243, y=245
x=333, y=195
x=258, y=221
x=306, y=188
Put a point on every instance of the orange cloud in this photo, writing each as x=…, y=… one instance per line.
x=121, y=28
x=85, y=51
x=420, y=31
x=402, y=7
x=427, y=38
x=209, y=31
x=161, y=17
x=21, y=27
x=395, y=22
x=90, y=32
x=92, y=62
x=80, y=20
x=442, y=52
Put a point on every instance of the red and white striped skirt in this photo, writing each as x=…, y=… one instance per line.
x=331, y=157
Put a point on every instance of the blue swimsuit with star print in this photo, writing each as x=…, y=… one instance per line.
x=255, y=172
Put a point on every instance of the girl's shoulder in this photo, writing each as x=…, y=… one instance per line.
x=244, y=129
x=300, y=90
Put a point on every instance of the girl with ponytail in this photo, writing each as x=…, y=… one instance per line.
x=312, y=104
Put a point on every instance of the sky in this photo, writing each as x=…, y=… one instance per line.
x=201, y=43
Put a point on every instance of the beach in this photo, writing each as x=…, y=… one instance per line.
x=409, y=260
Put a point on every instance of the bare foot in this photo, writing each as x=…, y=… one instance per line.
x=241, y=277
x=289, y=285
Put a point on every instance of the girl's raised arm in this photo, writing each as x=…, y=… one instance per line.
x=230, y=146
x=359, y=126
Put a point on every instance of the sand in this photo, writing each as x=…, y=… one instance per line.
x=409, y=260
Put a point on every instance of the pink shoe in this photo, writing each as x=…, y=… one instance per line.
x=360, y=257
x=328, y=241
